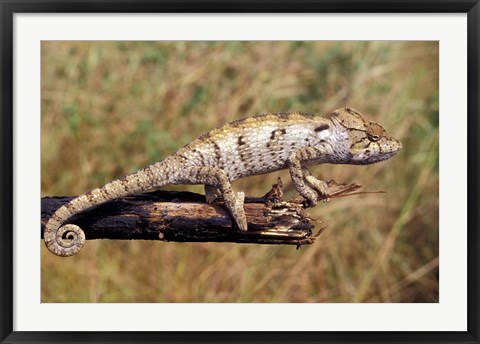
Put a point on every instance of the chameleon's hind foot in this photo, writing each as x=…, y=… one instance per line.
x=216, y=182
x=212, y=194
x=239, y=213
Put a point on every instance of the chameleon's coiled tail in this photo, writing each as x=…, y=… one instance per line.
x=59, y=246
x=69, y=239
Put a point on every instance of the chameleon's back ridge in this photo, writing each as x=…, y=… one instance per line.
x=254, y=145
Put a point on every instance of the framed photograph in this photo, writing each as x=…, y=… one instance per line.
x=102, y=101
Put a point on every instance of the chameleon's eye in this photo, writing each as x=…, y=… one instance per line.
x=373, y=137
x=374, y=131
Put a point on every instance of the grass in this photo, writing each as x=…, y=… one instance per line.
x=110, y=108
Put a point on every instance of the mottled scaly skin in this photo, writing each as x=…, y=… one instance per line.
x=246, y=147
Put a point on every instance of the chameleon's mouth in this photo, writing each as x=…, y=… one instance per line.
x=372, y=157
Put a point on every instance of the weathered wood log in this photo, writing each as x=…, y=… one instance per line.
x=184, y=216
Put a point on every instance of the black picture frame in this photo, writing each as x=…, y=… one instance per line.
x=9, y=8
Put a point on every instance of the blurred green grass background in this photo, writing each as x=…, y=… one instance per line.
x=110, y=108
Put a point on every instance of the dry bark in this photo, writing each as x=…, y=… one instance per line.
x=185, y=217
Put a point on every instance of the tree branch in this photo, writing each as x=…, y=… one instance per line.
x=185, y=217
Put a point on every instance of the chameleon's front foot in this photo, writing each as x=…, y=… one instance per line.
x=320, y=187
x=310, y=196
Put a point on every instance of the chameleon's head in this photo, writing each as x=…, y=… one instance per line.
x=369, y=141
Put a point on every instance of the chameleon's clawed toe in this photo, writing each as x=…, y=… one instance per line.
x=310, y=202
x=320, y=187
x=243, y=226
x=323, y=196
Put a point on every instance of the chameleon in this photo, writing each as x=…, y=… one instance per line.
x=250, y=146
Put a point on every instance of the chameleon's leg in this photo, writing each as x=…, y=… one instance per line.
x=212, y=193
x=217, y=178
x=298, y=178
x=317, y=184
